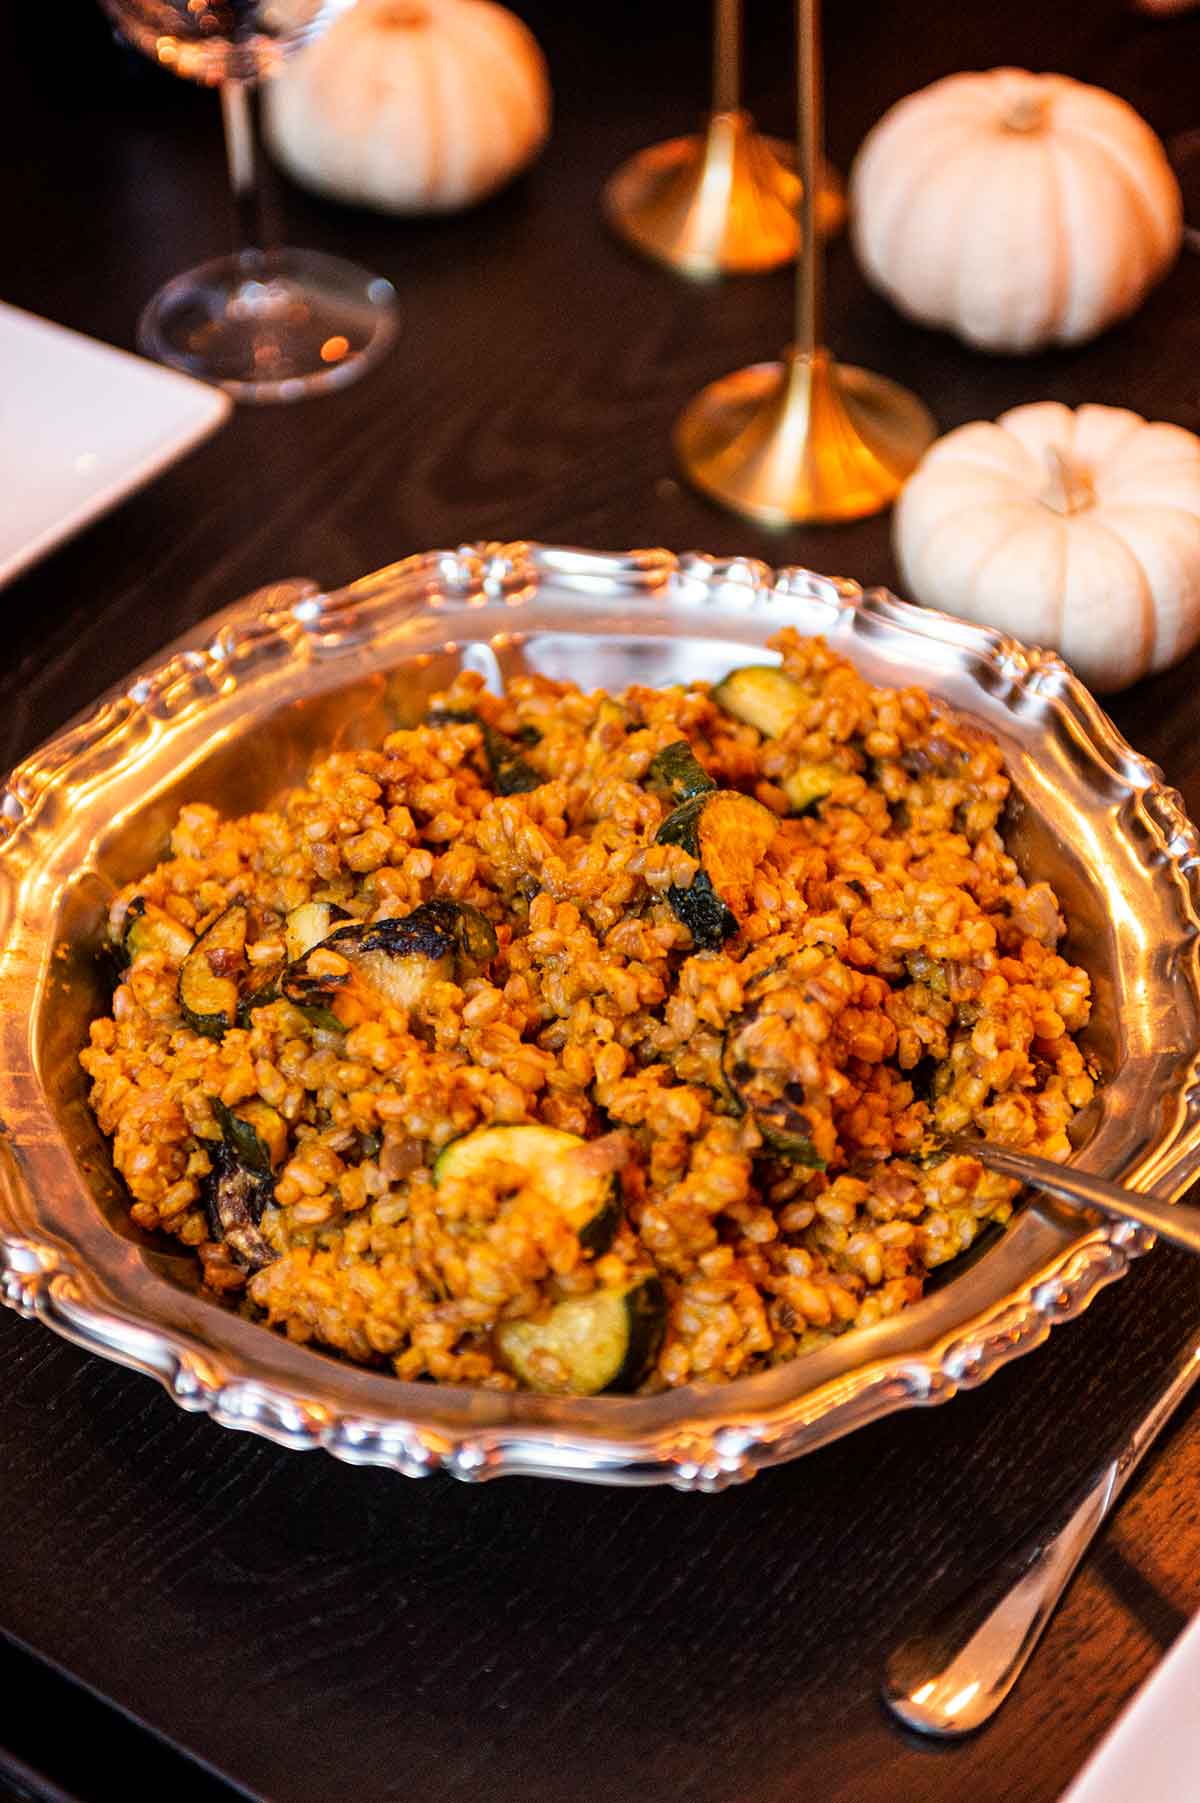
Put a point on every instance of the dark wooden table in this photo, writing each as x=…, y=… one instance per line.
x=311, y=1631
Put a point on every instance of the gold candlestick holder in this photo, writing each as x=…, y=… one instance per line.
x=725, y=201
x=805, y=440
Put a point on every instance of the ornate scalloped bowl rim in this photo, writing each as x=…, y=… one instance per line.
x=39, y=1279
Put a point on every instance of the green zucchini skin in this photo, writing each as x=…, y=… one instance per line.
x=511, y=773
x=677, y=769
x=607, y=1340
x=701, y=907
x=240, y=1185
x=762, y=696
x=258, y=998
x=208, y=997
x=243, y=1138
x=590, y=1203
x=151, y=929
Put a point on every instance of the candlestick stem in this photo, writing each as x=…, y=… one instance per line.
x=805, y=439
x=727, y=55
x=724, y=201
x=810, y=267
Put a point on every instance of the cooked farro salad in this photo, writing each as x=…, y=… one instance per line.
x=581, y=1042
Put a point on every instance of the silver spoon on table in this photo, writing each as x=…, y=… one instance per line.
x=951, y=1677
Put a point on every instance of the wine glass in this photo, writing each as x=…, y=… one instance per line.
x=264, y=324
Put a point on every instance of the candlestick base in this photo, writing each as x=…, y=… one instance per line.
x=804, y=441
x=721, y=203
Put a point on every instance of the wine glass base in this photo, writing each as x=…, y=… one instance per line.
x=271, y=326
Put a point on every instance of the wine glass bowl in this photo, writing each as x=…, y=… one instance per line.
x=212, y=41
x=265, y=324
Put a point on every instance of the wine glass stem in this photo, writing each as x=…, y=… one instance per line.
x=727, y=55
x=237, y=116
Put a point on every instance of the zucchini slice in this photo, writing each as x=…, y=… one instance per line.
x=399, y=959
x=308, y=924
x=766, y=1089
x=511, y=773
x=209, y=980
x=255, y=1132
x=728, y=834
x=235, y=1202
x=808, y=784
x=240, y=1187
x=605, y=1341
x=151, y=929
x=609, y=727
x=589, y=1200
x=677, y=769
x=761, y=695
x=258, y=998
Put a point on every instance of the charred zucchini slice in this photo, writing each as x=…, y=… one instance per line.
x=605, y=1341
x=209, y=980
x=808, y=784
x=765, y=1088
x=235, y=1202
x=761, y=695
x=308, y=924
x=677, y=769
x=548, y=1161
x=151, y=929
x=399, y=959
x=728, y=834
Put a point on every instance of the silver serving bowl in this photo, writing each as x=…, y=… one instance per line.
x=236, y=711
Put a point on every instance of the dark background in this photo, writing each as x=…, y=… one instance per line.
x=310, y=1630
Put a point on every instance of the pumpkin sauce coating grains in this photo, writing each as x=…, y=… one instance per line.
x=579, y=1042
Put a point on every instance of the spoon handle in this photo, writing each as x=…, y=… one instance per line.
x=952, y=1676
x=1174, y=1221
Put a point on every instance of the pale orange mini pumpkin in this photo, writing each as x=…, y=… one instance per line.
x=411, y=106
x=1016, y=210
x=1078, y=530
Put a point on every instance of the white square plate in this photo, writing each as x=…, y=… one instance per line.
x=81, y=426
x=1152, y=1754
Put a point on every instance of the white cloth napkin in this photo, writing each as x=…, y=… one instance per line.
x=1152, y=1752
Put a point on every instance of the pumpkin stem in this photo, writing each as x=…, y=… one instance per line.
x=1027, y=112
x=1067, y=489
x=402, y=15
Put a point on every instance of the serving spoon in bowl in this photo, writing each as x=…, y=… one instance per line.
x=1178, y=1222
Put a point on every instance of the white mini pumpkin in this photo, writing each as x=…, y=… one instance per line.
x=411, y=106
x=1017, y=210
x=1078, y=530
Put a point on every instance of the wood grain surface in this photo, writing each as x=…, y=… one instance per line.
x=316, y=1632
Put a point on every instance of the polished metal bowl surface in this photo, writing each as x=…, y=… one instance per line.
x=235, y=712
